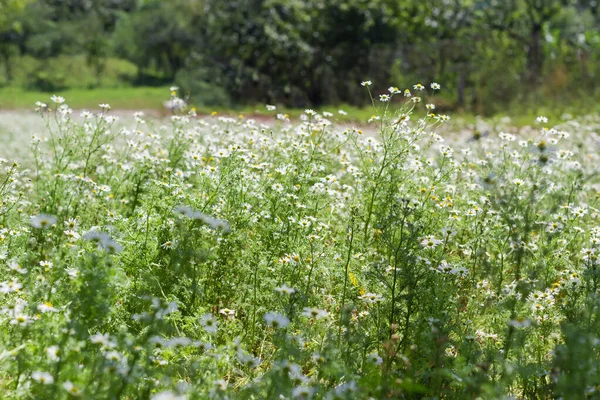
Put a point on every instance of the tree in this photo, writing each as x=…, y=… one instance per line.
x=524, y=21
x=159, y=36
x=10, y=31
x=299, y=52
x=436, y=48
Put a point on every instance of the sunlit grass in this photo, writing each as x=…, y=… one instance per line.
x=150, y=99
x=126, y=98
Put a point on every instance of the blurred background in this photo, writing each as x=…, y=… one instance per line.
x=490, y=56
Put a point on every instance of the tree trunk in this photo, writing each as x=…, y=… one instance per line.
x=461, y=87
x=535, y=59
x=7, y=64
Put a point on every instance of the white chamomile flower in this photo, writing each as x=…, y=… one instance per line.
x=275, y=320
x=45, y=378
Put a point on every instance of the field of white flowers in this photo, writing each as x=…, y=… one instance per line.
x=215, y=258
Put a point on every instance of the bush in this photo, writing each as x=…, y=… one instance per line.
x=70, y=72
x=201, y=90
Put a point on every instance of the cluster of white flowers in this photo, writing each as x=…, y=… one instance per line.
x=251, y=236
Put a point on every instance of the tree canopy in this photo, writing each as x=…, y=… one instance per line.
x=313, y=52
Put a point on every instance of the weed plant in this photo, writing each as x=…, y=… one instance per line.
x=222, y=258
